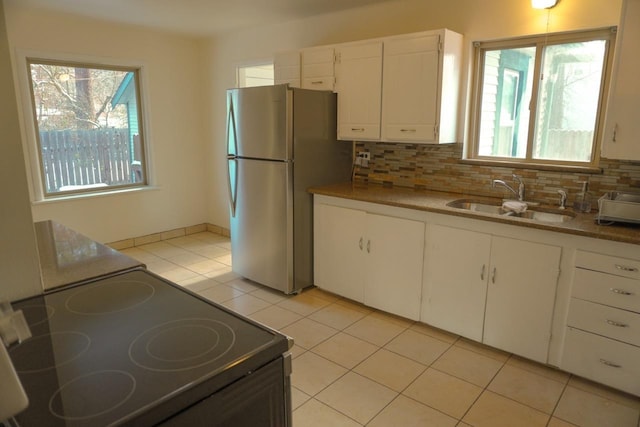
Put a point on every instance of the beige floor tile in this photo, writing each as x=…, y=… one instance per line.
x=317, y=292
x=357, y=397
x=178, y=273
x=355, y=305
x=390, y=369
x=400, y=321
x=606, y=392
x=493, y=410
x=141, y=255
x=161, y=266
x=527, y=388
x=244, y=285
x=345, y=350
x=468, y=365
x=419, y=347
x=435, y=332
x=206, y=266
x=406, y=412
x=312, y=373
x=246, y=304
x=212, y=252
x=186, y=259
x=589, y=410
x=304, y=303
x=317, y=414
x=270, y=295
x=308, y=333
x=224, y=275
x=375, y=329
x=337, y=316
x=296, y=351
x=224, y=259
x=220, y=293
x=494, y=353
x=443, y=392
x=275, y=317
x=298, y=397
x=537, y=368
x=163, y=249
x=198, y=283
x=557, y=422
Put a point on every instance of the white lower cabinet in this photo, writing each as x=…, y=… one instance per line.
x=370, y=258
x=496, y=290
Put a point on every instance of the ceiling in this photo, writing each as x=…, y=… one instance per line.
x=198, y=17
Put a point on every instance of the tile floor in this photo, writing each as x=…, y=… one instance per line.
x=354, y=366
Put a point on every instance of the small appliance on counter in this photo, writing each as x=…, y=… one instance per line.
x=617, y=206
x=137, y=350
x=281, y=141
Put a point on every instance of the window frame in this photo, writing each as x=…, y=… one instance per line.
x=539, y=41
x=31, y=140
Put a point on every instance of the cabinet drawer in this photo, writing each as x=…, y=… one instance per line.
x=409, y=132
x=602, y=359
x=318, y=83
x=317, y=70
x=607, y=289
x=357, y=132
x=603, y=320
x=608, y=264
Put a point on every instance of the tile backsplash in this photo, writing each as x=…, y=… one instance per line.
x=438, y=167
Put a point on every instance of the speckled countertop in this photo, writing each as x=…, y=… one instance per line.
x=583, y=224
x=67, y=256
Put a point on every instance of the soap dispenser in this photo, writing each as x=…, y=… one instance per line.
x=582, y=202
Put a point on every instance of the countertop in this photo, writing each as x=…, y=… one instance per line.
x=68, y=257
x=583, y=224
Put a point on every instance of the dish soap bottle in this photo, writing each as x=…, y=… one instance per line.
x=582, y=202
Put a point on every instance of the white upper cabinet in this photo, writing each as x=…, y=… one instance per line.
x=421, y=87
x=622, y=130
x=317, y=68
x=286, y=68
x=359, y=86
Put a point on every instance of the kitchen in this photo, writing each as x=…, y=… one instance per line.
x=194, y=177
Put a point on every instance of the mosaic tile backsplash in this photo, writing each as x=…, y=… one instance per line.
x=438, y=167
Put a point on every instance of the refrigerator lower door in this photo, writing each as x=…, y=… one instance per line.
x=262, y=224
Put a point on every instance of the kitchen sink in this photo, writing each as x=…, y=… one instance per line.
x=538, y=214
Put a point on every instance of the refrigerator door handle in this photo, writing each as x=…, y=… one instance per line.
x=232, y=150
x=232, y=180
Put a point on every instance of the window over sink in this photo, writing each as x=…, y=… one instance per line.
x=540, y=99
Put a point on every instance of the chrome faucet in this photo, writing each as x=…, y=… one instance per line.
x=519, y=194
x=563, y=198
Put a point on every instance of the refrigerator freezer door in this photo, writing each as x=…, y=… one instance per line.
x=262, y=227
x=258, y=125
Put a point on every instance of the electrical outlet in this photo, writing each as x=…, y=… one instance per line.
x=364, y=155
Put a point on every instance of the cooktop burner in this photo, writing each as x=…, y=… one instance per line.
x=132, y=348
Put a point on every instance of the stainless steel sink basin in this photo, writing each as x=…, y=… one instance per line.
x=540, y=215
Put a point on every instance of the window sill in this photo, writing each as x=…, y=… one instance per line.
x=534, y=166
x=82, y=196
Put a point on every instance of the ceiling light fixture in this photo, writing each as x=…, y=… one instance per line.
x=543, y=4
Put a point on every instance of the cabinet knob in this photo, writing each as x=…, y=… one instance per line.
x=620, y=291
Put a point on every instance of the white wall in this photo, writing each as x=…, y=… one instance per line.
x=19, y=268
x=476, y=20
x=175, y=135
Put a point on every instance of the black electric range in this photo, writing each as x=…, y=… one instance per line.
x=135, y=349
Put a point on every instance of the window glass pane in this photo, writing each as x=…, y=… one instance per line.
x=255, y=75
x=568, y=101
x=88, y=125
x=506, y=93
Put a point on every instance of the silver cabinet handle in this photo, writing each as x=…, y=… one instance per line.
x=360, y=243
x=620, y=291
x=618, y=324
x=408, y=130
x=317, y=82
x=368, y=246
x=626, y=268
x=611, y=364
x=493, y=275
x=484, y=266
x=357, y=129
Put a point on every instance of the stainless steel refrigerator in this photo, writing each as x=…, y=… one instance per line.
x=280, y=141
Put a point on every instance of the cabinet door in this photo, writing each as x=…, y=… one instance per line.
x=520, y=297
x=395, y=252
x=317, y=69
x=410, y=89
x=339, y=250
x=359, y=88
x=455, y=283
x=286, y=68
x=622, y=125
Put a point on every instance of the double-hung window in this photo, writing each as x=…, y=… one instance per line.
x=88, y=126
x=540, y=99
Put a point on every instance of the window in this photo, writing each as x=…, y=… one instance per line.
x=88, y=126
x=255, y=75
x=539, y=100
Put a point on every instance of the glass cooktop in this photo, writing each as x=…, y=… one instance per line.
x=131, y=348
